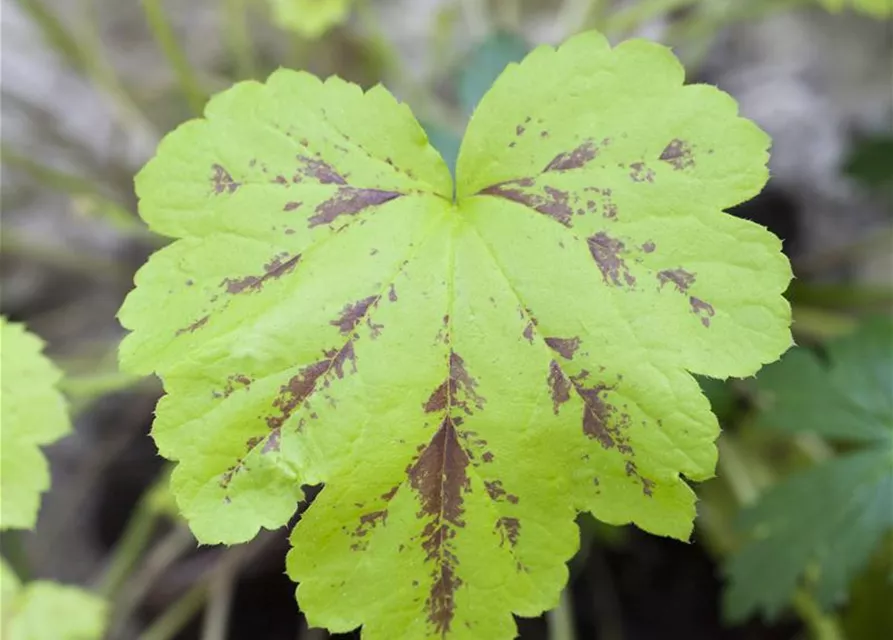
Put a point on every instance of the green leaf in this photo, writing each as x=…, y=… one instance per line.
x=484, y=64
x=466, y=375
x=310, y=18
x=48, y=611
x=875, y=8
x=822, y=524
x=32, y=413
x=445, y=141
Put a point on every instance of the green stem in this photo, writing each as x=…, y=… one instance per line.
x=820, y=625
x=129, y=549
x=90, y=61
x=176, y=56
x=635, y=15
x=159, y=559
x=174, y=619
x=561, y=619
x=220, y=597
x=239, y=39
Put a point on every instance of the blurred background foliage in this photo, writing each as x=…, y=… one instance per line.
x=793, y=537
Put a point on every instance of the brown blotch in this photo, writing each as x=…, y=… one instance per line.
x=272, y=270
x=519, y=130
x=296, y=391
x=703, y=309
x=528, y=331
x=349, y=201
x=575, y=159
x=198, y=324
x=272, y=443
x=321, y=171
x=463, y=388
x=679, y=154
x=559, y=385
x=487, y=456
x=440, y=479
x=555, y=204
x=681, y=278
x=566, y=347
x=633, y=472
x=223, y=181
x=508, y=528
x=369, y=521
x=603, y=421
x=606, y=252
x=640, y=173
x=438, y=399
x=649, y=247
x=291, y=206
x=352, y=314
x=392, y=294
x=494, y=489
x=232, y=381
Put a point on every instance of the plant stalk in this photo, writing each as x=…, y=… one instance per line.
x=164, y=36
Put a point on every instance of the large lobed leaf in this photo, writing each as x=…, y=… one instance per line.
x=32, y=413
x=824, y=522
x=465, y=374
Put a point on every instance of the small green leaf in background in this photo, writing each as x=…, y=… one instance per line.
x=484, y=64
x=310, y=18
x=875, y=8
x=445, y=141
x=822, y=524
x=44, y=610
x=32, y=413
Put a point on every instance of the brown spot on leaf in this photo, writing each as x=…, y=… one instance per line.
x=487, y=456
x=223, y=181
x=438, y=399
x=352, y=314
x=603, y=421
x=232, y=381
x=291, y=206
x=574, y=159
x=519, y=130
x=649, y=247
x=320, y=171
x=349, y=201
x=554, y=204
x=508, y=528
x=299, y=387
x=703, y=309
x=678, y=153
x=566, y=347
x=198, y=324
x=276, y=268
x=681, y=278
x=440, y=479
x=640, y=173
x=392, y=294
x=368, y=521
x=528, y=331
x=463, y=388
x=606, y=252
x=494, y=489
x=560, y=386
x=272, y=443
x=632, y=471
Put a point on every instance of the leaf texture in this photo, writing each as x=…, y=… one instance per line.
x=32, y=414
x=464, y=374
